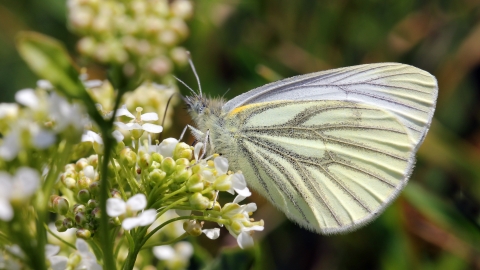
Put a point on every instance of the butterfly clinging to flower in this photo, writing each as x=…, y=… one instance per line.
x=330, y=149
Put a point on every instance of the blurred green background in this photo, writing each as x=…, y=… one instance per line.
x=239, y=45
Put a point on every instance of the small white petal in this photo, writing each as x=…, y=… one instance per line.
x=89, y=172
x=238, y=181
x=239, y=198
x=121, y=125
x=44, y=84
x=221, y=165
x=166, y=147
x=26, y=181
x=212, y=233
x=51, y=250
x=251, y=207
x=244, y=192
x=116, y=207
x=254, y=228
x=207, y=176
x=197, y=149
x=58, y=262
x=6, y=210
x=244, y=240
x=118, y=136
x=27, y=97
x=93, y=83
x=164, y=252
x=152, y=128
x=43, y=139
x=94, y=137
x=124, y=112
x=130, y=223
x=147, y=217
x=11, y=145
x=149, y=116
x=82, y=246
x=133, y=126
x=8, y=110
x=137, y=202
x=184, y=249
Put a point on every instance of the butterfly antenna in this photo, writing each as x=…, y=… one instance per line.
x=228, y=90
x=195, y=73
x=160, y=136
x=189, y=88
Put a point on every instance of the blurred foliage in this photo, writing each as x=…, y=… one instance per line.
x=239, y=45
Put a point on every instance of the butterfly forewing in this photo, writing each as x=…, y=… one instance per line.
x=407, y=92
x=329, y=165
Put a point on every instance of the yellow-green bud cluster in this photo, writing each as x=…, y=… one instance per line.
x=80, y=185
x=136, y=34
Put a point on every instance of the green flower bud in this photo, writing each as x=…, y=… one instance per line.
x=70, y=167
x=79, y=208
x=157, y=157
x=61, y=205
x=59, y=225
x=92, y=204
x=81, y=218
x=83, y=195
x=223, y=183
x=183, y=161
x=69, y=173
x=168, y=165
x=115, y=194
x=192, y=227
x=96, y=213
x=94, y=188
x=145, y=160
x=182, y=173
x=195, y=183
x=119, y=147
x=112, y=170
x=84, y=182
x=198, y=201
x=156, y=176
x=84, y=234
x=182, y=150
x=127, y=157
x=196, y=168
x=155, y=165
x=68, y=223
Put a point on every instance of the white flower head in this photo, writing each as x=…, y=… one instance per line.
x=138, y=122
x=17, y=188
x=167, y=146
x=117, y=207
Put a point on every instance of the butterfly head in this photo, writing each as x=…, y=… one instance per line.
x=202, y=108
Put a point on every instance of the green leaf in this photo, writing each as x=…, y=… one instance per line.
x=49, y=59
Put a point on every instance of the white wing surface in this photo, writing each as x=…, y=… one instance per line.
x=331, y=166
x=406, y=91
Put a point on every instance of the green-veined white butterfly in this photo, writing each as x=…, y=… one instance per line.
x=331, y=149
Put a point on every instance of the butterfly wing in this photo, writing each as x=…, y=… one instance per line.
x=331, y=166
x=407, y=92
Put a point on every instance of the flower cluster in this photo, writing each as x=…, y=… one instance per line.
x=141, y=36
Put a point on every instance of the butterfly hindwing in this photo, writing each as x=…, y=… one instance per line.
x=329, y=165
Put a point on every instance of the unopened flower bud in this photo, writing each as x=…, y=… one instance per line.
x=182, y=150
x=84, y=234
x=168, y=165
x=92, y=204
x=59, y=225
x=182, y=173
x=61, y=205
x=198, y=201
x=84, y=182
x=183, y=161
x=69, y=182
x=128, y=157
x=145, y=160
x=96, y=213
x=115, y=194
x=80, y=218
x=195, y=183
x=223, y=183
x=83, y=195
x=157, y=157
x=81, y=163
x=68, y=223
x=93, y=160
x=156, y=176
x=94, y=188
x=192, y=227
x=79, y=208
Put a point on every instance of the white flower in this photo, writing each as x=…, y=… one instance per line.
x=64, y=114
x=56, y=262
x=18, y=188
x=167, y=146
x=117, y=207
x=88, y=258
x=8, y=110
x=240, y=225
x=176, y=257
x=138, y=121
x=212, y=233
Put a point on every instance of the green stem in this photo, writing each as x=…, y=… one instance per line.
x=58, y=237
x=184, y=235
